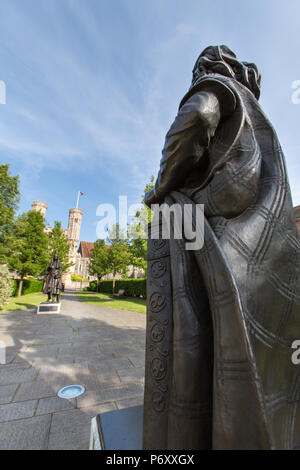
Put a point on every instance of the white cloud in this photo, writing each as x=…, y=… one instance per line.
x=75, y=106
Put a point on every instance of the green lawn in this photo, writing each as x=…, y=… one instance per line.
x=24, y=302
x=105, y=300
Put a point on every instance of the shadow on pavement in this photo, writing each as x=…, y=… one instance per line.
x=101, y=349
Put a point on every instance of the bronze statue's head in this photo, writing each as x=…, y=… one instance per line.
x=221, y=60
x=55, y=257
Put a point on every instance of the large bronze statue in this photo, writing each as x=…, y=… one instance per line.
x=53, y=282
x=222, y=319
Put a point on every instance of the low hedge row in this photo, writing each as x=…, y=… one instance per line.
x=78, y=278
x=14, y=284
x=132, y=287
x=29, y=286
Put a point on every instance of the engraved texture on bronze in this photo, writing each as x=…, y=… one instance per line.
x=158, y=344
x=235, y=304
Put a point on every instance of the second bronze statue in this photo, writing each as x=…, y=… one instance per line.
x=53, y=282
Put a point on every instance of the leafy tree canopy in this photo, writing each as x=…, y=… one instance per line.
x=9, y=199
x=99, y=264
x=30, y=251
x=138, y=242
x=119, y=254
x=59, y=243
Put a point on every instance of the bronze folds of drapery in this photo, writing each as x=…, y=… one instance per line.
x=53, y=277
x=221, y=320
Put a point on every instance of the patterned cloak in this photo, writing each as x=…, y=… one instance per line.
x=52, y=281
x=221, y=320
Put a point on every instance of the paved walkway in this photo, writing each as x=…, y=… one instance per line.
x=100, y=348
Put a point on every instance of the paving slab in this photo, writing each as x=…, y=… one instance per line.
x=132, y=375
x=17, y=376
x=35, y=390
x=60, y=371
x=137, y=361
x=13, y=411
x=130, y=402
x=76, y=439
x=68, y=420
x=111, y=394
x=53, y=405
x=14, y=366
x=7, y=392
x=109, y=364
x=25, y=434
x=99, y=380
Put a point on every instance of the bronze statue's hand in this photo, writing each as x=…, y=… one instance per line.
x=150, y=198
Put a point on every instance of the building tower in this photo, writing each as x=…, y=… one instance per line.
x=73, y=234
x=39, y=206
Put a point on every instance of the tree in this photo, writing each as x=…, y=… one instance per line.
x=9, y=198
x=119, y=255
x=137, y=231
x=59, y=243
x=31, y=252
x=99, y=264
x=5, y=286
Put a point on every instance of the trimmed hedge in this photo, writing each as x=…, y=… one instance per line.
x=14, y=284
x=29, y=286
x=76, y=278
x=132, y=287
x=91, y=288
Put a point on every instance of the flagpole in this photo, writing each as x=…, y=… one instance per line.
x=77, y=199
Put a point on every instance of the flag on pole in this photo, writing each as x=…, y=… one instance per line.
x=78, y=195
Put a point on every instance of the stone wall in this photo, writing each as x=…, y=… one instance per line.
x=75, y=285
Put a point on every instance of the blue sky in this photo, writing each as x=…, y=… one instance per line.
x=93, y=86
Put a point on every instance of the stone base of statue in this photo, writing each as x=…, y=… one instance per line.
x=118, y=430
x=48, y=307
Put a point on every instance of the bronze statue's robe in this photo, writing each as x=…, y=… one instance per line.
x=53, y=276
x=221, y=320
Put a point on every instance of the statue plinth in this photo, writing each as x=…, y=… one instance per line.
x=120, y=429
x=48, y=307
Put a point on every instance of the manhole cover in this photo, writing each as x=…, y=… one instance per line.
x=71, y=391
